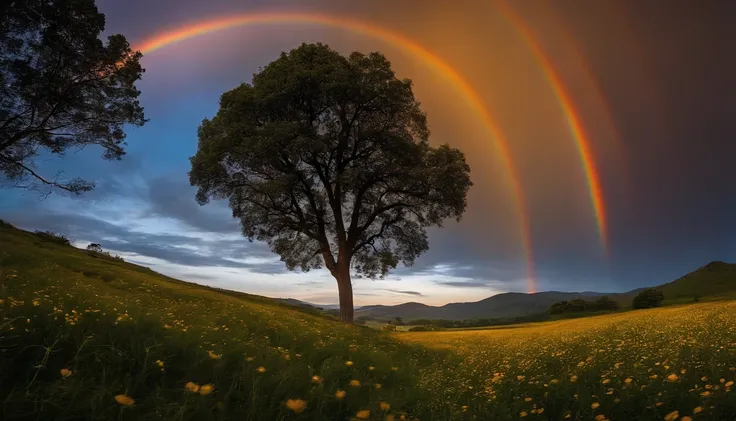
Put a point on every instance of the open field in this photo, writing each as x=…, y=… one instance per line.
x=92, y=338
x=639, y=365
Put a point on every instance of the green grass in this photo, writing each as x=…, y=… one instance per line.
x=110, y=323
x=121, y=329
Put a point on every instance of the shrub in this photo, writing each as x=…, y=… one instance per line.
x=648, y=299
x=423, y=329
x=94, y=247
x=53, y=237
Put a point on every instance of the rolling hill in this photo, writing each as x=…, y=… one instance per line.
x=716, y=280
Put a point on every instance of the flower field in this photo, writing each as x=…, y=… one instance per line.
x=661, y=364
x=83, y=337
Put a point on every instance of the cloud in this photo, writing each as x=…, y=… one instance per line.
x=415, y=293
x=466, y=284
x=187, y=250
x=171, y=196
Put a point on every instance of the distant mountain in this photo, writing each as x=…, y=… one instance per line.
x=510, y=304
x=712, y=281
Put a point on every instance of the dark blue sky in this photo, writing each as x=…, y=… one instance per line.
x=653, y=84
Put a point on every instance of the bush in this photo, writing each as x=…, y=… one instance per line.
x=424, y=329
x=94, y=247
x=53, y=237
x=649, y=298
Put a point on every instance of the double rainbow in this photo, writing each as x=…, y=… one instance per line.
x=463, y=87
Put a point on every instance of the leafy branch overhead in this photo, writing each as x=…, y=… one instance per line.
x=326, y=158
x=62, y=87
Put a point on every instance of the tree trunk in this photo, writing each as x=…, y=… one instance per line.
x=345, y=291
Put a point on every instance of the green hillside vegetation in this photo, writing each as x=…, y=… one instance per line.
x=88, y=337
x=77, y=331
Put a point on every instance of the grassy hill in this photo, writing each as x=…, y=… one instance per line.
x=77, y=331
x=85, y=337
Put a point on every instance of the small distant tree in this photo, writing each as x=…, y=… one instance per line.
x=327, y=159
x=94, y=247
x=648, y=299
x=559, y=307
x=605, y=303
x=62, y=87
x=389, y=327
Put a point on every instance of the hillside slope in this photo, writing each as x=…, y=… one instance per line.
x=85, y=337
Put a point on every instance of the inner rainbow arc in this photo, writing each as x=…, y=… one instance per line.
x=582, y=143
x=440, y=66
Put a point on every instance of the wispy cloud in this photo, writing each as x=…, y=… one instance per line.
x=397, y=291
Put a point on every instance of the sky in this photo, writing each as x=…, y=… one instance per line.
x=618, y=119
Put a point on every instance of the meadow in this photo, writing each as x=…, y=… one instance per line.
x=84, y=337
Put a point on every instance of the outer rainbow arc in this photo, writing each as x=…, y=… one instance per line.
x=576, y=128
x=443, y=68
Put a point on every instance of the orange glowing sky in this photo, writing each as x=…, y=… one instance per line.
x=595, y=133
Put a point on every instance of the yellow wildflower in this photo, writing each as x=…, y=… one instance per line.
x=523, y=414
x=686, y=418
x=160, y=363
x=316, y=379
x=354, y=383
x=296, y=405
x=261, y=369
x=600, y=417
x=628, y=380
x=527, y=399
x=348, y=363
x=340, y=394
x=673, y=378
x=192, y=387
x=378, y=385
x=124, y=400
x=697, y=409
x=371, y=368
x=206, y=389
x=595, y=405
x=729, y=384
x=385, y=406
x=363, y=415
x=65, y=372
x=389, y=417
x=672, y=416
x=214, y=356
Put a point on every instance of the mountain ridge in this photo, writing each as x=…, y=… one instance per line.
x=714, y=280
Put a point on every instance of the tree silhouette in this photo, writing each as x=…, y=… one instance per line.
x=327, y=159
x=648, y=298
x=61, y=87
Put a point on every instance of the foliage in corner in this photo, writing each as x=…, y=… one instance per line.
x=62, y=88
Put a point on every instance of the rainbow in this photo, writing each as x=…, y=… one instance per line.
x=577, y=130
x=437, y=64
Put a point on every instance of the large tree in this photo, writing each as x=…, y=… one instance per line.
x=62, y=87
x=326, y=158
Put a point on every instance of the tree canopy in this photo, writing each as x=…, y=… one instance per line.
x=326, y=158
x=649, y=298
x=62, y=87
